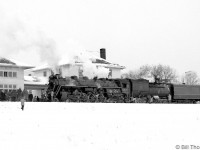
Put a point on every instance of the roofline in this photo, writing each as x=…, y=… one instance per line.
x=106, y=65
x=41, y=69
x=111, y=66
x=117, y=67
x=15, y=66
x=80, y=64
x=34, y=83
x=35, y=86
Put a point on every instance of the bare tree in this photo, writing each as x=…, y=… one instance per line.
x=163, y=73
x=191, y=78
x=142, y=72
x=157, y=72
x=131, y=75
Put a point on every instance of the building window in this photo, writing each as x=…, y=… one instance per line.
x=10, y=74
x=1, y=73
x=8, y=87
x=5, y=74
x=14, y=86
x=14, y=74
x=110, y=73
x=80, y=72
x=44, y=73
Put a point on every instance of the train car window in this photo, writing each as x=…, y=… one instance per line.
x=124, y=85
x=118, y=83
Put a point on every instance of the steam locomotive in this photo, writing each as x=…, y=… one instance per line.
x=119, y=91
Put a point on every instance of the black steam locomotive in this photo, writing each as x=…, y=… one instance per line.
x=119, y=91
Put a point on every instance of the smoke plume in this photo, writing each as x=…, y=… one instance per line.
x=90, y=69
x=16, y=37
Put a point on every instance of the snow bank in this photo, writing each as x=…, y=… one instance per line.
x=84, y=126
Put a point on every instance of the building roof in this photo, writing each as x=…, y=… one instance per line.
x=35, y=83
x=13, y=63
x=41, y=67
x=94, y=59
x=35, y=80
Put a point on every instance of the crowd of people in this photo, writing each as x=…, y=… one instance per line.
x=16, y=95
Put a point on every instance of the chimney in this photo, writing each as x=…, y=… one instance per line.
x=103, y=53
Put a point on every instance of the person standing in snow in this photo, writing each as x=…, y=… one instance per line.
x=25, y=93
x=63, y=95
x=52, y=96
x=30, y=97
x=38, y=99
x=22, y=103
x=34, y=99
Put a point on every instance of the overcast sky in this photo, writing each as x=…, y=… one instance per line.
x=134, y=32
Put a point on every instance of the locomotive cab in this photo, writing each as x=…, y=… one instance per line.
x=125, y=86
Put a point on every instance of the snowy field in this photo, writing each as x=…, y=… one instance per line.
x=97, y=126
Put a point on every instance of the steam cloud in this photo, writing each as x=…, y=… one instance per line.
x=90, y=69
x=16, y=37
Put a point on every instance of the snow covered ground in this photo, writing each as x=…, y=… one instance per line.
x=97, y=126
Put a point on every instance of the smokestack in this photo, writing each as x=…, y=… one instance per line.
x=103, y=53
